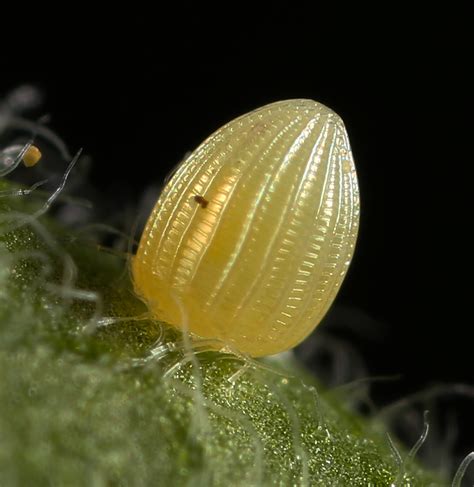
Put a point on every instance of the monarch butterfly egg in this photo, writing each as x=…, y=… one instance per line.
x=254, y=233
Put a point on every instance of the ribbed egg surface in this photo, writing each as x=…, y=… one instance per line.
x=251, y=238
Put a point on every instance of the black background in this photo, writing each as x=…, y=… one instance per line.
x=138, y=88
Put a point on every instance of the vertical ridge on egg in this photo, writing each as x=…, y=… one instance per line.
x=260, y=263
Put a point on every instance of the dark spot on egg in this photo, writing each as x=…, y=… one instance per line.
x=202, y=201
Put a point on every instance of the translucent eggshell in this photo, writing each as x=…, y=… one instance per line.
x=255, y=231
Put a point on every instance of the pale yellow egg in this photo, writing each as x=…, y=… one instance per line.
x=254, y=233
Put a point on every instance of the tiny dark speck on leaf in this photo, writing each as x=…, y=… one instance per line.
x=201, y=200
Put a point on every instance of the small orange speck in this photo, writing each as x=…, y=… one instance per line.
x=31, y=156
x=258, y=128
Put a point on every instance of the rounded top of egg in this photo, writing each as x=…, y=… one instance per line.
x=251, y=238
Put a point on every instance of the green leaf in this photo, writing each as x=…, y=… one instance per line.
x=81, y=405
